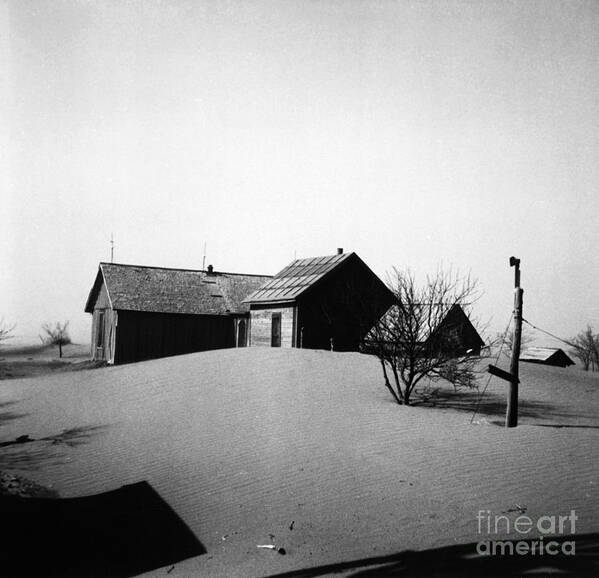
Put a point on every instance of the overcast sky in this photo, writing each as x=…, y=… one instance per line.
x=414, y=133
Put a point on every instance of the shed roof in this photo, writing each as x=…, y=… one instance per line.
x=164, y=290
x=297, y=278
x=546, y=355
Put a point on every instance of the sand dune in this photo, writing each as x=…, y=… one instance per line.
x=306, y=446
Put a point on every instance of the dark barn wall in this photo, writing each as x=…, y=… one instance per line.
x=144, y=335
x=543, y=362
x=343, y=308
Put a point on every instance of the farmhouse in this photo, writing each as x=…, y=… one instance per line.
x=546, y=356
x=148, y=312
x=318, y=303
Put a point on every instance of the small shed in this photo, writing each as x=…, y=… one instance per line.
x=546, y=356
x=143, y=312
x=326, y=302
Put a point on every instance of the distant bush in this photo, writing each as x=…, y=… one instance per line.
x=5, y=330
x=585, y=346
x=56, y=334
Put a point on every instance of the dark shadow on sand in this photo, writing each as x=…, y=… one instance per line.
x=31, y=453
x=565, y=425
x=494, y=405
x=6, y=414
x=120, y=533
x=463, y=560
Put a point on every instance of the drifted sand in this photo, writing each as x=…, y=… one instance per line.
x=309, y=447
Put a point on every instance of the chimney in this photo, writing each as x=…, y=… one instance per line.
x=210, y=269
x=340, y=251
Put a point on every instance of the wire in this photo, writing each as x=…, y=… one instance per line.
x=500, y=350
x=490, y=375
x=547, y=333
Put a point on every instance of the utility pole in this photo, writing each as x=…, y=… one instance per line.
x=111, y=248
x=511, y=416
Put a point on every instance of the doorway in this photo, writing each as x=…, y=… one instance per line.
x=241, y=333
x=100, y=333
x=275, y=335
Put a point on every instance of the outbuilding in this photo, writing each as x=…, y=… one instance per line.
x=434, y=330
x=326, y=302
x=456, y=335
x=546, y=356
x=143, y=312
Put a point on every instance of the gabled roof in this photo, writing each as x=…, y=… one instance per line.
x=456, y=317
x=549, y=355
x=297, y=278
x=432, y=321
x=163, y=290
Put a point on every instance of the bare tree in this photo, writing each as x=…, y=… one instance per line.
x=5, y=330
x=585, y=346
x=56, y=334
x=422, y=334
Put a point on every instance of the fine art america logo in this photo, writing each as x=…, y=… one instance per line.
x=546, y=527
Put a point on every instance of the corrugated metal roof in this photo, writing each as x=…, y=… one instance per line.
x=296, y=278
x=162, y=290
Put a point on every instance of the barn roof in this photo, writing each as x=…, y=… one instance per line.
x=163, y=290
x=457, y=317
x=434, y=319
x=297, y=278
x=549, y=355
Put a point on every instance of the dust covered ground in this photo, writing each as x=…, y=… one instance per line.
x=20, y=361
x=306, y=450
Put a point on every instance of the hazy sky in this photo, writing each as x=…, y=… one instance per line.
x=414, y=133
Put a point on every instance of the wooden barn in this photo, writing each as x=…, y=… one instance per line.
x=440, y=333
x=149, y=312
x=318, y=303
x=546, y=356
x=456, y=335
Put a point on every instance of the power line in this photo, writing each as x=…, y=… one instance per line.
x=490, y=376
x=547, y=333
x=500, y=350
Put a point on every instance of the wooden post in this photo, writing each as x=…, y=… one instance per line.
x=511, y=416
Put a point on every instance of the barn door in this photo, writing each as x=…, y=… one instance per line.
x=275, y=336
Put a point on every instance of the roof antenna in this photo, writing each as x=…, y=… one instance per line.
x=111, y=248
x=204, y=258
